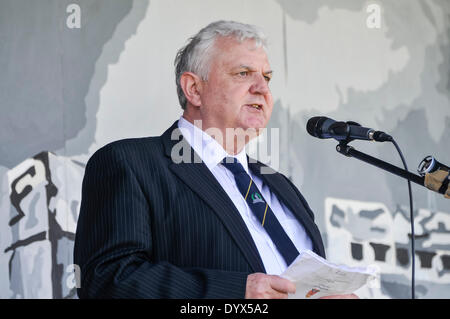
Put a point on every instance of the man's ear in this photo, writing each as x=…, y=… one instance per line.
x=191, y=85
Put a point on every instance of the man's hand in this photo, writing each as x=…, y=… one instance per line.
x=262, y=286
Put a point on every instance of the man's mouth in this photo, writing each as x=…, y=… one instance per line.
x=255, y=106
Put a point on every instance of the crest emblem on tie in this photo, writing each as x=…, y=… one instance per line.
x=256, y=198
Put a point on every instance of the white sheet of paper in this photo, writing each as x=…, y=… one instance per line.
x=315, y=277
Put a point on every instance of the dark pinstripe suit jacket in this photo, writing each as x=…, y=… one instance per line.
x=152, y=228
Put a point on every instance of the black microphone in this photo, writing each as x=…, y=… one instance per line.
x=324, y=127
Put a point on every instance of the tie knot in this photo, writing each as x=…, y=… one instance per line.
x=233, y=165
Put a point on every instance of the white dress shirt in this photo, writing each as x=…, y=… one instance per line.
x=212, y=153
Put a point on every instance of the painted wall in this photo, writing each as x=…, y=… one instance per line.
x=76, y=77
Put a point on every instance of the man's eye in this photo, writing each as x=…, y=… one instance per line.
x=268, y=78
x=243, y=73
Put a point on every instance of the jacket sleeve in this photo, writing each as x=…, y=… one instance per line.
x=113, y=244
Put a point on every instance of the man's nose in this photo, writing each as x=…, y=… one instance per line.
x=259, y=85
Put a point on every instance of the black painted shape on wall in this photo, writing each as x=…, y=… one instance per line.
x=16, y=197
x=25, y=242
x=425, y=257
x=446, y=262
x=402, y=255
x=54, y=233
x=357, y=251
x=380, y=251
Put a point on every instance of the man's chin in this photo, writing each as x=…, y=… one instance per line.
x=252, y=131
x=255, y=124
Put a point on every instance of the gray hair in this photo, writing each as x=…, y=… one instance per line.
x=195, y=55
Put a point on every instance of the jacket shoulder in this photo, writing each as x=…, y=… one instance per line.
x=128, y=150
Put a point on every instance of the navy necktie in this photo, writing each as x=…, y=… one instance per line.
x=261, y=210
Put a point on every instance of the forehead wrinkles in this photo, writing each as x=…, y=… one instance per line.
x=229, y=51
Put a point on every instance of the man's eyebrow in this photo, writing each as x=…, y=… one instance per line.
x=242, y=66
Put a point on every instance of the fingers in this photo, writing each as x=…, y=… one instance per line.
x=262, y=286
x=268, y=286
x=282, y=285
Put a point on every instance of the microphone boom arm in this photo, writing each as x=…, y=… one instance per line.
x=349, y=151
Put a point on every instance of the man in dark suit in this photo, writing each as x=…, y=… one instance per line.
x=188, y=214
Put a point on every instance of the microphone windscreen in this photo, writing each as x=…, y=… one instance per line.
x=313, y=127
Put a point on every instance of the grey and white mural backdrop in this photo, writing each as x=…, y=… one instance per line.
x=76, y=75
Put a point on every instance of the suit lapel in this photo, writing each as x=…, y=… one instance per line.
x=278, y=184
x=196, y=175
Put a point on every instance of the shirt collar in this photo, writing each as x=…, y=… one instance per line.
x=211, y=152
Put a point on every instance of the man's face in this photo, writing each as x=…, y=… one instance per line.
x=237, y=94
